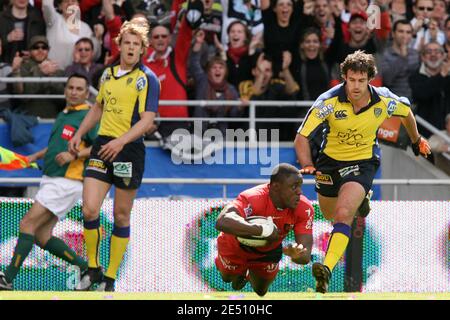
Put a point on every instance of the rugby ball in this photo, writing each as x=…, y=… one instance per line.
x=256, y=241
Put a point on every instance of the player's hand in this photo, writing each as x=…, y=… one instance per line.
x=295, y=251
x=74, y=144
x=64, y=157
x=309, y=169
x=275, y=235
x=421, y=147
x=109, y=151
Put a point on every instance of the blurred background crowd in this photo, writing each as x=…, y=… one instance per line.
x=233, y=50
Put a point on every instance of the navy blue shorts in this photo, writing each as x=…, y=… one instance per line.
x=336, y=173
x=125, y=171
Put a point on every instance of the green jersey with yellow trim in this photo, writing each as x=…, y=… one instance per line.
x=66, y=124
x=349, y=136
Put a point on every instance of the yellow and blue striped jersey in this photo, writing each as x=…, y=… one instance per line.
x=125, y=97
x=349, y=136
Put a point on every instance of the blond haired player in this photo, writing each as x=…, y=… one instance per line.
x=125, y=106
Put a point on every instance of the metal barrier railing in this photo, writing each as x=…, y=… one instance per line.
x=251, y=105
x=225, y=182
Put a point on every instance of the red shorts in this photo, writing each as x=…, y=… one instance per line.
x=238, y=262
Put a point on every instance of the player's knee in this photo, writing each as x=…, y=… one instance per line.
x=122, y=218
x=90, y=213
x=343, y=214
x=27, y=225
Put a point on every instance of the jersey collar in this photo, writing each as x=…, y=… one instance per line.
x=374, y=97
x=79, y=107
x=116, y=64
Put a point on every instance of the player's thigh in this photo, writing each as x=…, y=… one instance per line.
x=349, y=199
x=123, y=204
x=34, y=218
x=94, y=192
x=230, y=267
x=327, y=206
x=45, y=231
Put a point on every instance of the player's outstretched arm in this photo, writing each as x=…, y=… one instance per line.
x=419, y=144
x=300, y=252
x=229, y=221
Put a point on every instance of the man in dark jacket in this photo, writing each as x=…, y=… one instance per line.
x=19, y=23
x=430, y=86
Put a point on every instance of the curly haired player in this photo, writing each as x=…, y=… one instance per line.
x=351, y=113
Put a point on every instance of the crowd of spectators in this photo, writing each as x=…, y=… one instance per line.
x=238, y=50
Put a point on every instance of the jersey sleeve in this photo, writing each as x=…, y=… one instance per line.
x=304, y=218
x=317, y=114
x=396, y=105
x=148, y=87
x=92, y=134
x=99, y=98
x=242, y=204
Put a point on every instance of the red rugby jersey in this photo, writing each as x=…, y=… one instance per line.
x=256, y=202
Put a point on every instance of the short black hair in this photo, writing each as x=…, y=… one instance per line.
x=282, y=171
x=401, y=21
x=79, y=75
x=85, y=39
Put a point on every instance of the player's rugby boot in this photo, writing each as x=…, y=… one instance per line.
x=322, y=275
x=4, y=285
x=106, y=285
x=364, y=208
x=89, y=278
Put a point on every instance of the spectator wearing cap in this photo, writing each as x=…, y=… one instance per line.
x=361, y=38
x=39, y=65
x=362, y=6
x=399, y=60
x=83, y=60
x=430, y=87
x=64, y=29
x=18, y=24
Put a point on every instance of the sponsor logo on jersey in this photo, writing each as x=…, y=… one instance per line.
x=351, y=169
x=272, y=267
x=324, y=179
x=123, y=169
x=97, y=165
x=324, y=110
x=392, y=106
x=140, y=83
x=129, y=81
x=248, y=211
x=340, y=114
x=67, y=132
